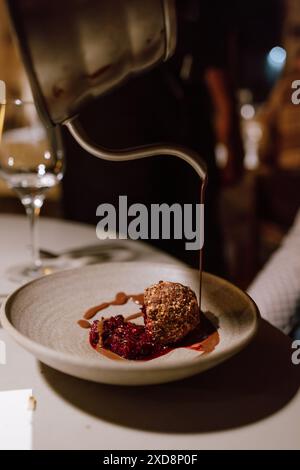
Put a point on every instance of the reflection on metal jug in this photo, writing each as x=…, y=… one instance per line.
x=74, y=50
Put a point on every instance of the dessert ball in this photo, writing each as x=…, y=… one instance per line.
x=171, y=311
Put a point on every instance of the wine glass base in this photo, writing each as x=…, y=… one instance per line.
x=26, y=272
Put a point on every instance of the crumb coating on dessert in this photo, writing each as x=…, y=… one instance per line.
x=171, y=311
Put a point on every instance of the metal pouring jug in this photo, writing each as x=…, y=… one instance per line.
x=75, y=50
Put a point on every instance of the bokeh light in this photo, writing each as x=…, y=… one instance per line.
x=276, y=57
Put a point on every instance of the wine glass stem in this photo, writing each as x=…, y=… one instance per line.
x=33, y=211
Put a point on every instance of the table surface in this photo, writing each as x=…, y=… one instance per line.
x=250, y=402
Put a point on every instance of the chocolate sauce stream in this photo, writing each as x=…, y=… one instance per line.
x=202, y=198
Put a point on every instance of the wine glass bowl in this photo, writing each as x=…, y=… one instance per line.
x=31, y=162
x=29, y=155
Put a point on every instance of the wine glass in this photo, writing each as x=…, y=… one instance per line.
x=31, y=162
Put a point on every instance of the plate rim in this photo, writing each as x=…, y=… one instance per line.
x=38, y=349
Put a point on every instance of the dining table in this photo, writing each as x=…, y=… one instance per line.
x=251, y=401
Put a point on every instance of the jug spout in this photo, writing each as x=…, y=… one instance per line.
x=188, y=155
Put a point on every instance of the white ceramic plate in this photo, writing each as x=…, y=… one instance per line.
x=42, y=317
